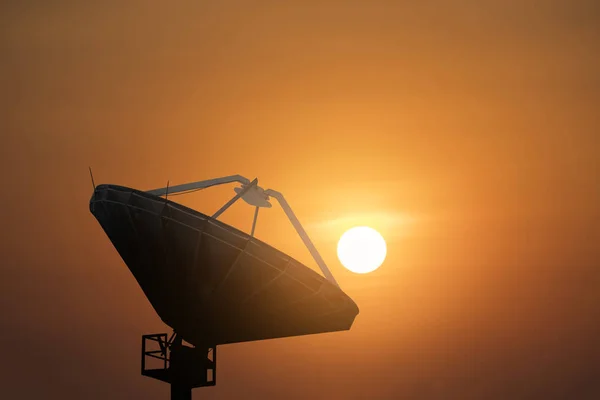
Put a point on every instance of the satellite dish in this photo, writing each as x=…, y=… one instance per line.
x=212, y=283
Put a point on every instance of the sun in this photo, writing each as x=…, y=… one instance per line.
x=361, y=249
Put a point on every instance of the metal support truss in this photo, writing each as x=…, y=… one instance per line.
x=250, y=191
x=183, y=367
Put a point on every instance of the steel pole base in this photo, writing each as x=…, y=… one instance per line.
x=181, y=392
x=183, y=367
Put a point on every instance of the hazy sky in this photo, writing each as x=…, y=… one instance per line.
x=467, y=132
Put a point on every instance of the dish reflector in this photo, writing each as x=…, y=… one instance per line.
x=212, y=283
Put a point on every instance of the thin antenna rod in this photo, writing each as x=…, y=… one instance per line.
x=93, y=202
x=167, y=191
x=92, y=176
x=254, y=222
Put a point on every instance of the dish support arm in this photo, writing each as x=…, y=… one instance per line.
x=199, y=185
x=269, y=192
x=303, y=235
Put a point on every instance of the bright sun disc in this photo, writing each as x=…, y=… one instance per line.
x=361, y=249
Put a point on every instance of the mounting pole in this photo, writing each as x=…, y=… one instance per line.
x=179, y=390
x=183, y=367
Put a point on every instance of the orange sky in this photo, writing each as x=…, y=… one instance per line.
x=466, y=132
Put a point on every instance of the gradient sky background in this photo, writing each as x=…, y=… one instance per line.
x=467, y=132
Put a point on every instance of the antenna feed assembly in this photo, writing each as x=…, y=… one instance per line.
x=255, y=196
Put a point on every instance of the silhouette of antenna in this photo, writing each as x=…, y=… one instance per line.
x=212, y=283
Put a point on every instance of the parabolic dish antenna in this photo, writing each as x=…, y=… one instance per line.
x=212, y=283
